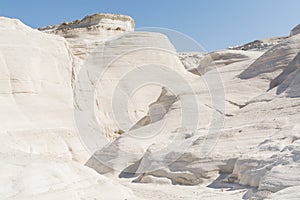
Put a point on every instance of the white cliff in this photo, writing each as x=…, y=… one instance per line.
x=40, y=148
x=36, y=93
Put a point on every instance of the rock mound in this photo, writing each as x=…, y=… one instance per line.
x=104, y=21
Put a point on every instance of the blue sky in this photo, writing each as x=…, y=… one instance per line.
x=215, y=24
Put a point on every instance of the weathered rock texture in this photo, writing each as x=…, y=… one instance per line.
x=40, y=151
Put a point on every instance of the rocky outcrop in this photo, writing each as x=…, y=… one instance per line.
x=85, y=35
x=275, y=59
x=295, y=30
x=259, y=45
x=200, y=63
x=191, y=60
x=101, y=21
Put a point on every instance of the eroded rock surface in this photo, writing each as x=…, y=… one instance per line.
x=41, y=154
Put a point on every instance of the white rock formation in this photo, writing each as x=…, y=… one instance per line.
x=276, y=58
x=36, y=93
x=85, y=35
x=185, y=131
x=92, y=42
x=191, y=60
x=200, y=63
x=288, y=80
x=259, y=45
x=27, y=177
x=291, y=193
x=258, y=143
x=38, y=138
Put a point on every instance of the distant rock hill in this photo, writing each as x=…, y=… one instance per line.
x=87, y=34
x=259, y=45
x=100, y=21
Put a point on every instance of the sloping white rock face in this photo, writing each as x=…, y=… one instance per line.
x=276, y=58
x=288, y=80
x=121, y=60
x=143, y=59
x=105, y=43
x=38, y=138
x=36, y=95
x=34, y=177
x=291, y=193
x=295, y=30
